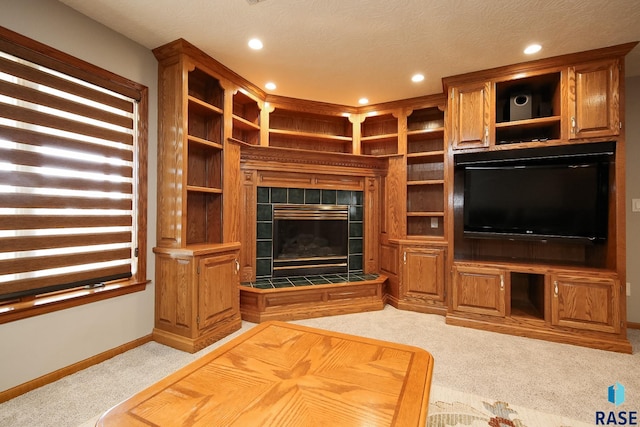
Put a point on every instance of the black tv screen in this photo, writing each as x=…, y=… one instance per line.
x=546, y=198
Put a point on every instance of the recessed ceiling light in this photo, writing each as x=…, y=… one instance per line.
x=270, y=86
x=363, y=101
x=417, y=78
x=255, y=44
x=532, y=48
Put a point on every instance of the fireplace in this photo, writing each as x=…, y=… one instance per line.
x=310, y=239
x=342, y=211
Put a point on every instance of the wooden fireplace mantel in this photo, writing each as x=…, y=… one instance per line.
x=288, y=159
x=262, y=166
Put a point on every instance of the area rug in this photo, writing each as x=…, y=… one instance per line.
x=448, y=408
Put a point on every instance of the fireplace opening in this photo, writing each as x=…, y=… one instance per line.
x=310, y=239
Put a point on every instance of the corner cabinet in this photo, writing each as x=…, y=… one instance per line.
x=422, y=278
x=197, y=295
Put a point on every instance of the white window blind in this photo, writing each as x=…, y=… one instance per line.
x=67, y=186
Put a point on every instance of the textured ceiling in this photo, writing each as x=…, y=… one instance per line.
x=341, y=50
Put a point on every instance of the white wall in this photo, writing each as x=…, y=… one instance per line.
x=632, y=123
x=39, y=345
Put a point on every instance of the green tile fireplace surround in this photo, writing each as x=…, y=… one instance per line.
x=270, y=196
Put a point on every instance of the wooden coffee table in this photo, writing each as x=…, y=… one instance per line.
x=280, y=374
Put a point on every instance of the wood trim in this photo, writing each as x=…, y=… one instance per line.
x=62, y=300
x=222, y=329
x=307, y=106
x=633, y=325
x=183, y=47
x=436, y=100
x=204, y=249
x=260, y=305
x=540, y=64
x=71, y=369
x=143, y=184
x=30, y=49
x=609, y=342
x=274, y=157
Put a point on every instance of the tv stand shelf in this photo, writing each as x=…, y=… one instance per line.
x=540, y=301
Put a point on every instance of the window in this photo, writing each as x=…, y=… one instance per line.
x=72, y=177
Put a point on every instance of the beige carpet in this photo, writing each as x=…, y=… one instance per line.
x=532, y=377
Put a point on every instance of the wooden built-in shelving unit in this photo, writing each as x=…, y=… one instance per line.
x=561, y=290
x=224, y=137
x=196, y=261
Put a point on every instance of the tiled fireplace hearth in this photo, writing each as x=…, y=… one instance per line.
x=289, y=293
x=271, y=260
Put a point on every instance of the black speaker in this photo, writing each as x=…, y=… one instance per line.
x=520, y=106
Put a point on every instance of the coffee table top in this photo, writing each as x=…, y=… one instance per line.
x=280, y=374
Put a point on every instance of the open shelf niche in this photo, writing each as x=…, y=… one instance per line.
x=246, y=118
x=425, y=173
x=310, y=131
x=204, y=158
x=528, y=109
x=379, y=134
x=527, y=295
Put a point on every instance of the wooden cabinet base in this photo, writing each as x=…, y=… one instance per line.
x=259, y=305
x=206, y=338
x=418, y=305
x=539, y=330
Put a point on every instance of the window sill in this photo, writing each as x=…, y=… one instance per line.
x=48, y=303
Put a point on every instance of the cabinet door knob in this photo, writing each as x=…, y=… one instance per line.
x=501, y=282
x=573, y=125
x=555, y=287
x=237, y=266
x=404, y=257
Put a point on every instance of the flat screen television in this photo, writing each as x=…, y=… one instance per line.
x=538, y=196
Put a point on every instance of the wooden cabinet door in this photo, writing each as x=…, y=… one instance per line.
x=219, y=295
x=479, y=290
x=423, y=273
x=470, y=115
x=586, y=302
x=174, y=294
x=594, y=100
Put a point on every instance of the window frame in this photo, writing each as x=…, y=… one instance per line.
x=40, y=53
